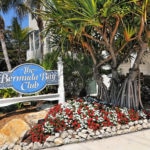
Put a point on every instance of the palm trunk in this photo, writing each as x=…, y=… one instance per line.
x=19, y=55
x=41, y=27
x=41, y=46
x=5, y=51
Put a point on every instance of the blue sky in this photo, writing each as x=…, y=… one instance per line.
x=8, y=18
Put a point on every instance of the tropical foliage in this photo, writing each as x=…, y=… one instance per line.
x=19, y=38
x=77, y=71
x=17, y=43
x=95, y=27
x=4, y=7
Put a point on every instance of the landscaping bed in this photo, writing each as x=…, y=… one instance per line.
x=81, y=120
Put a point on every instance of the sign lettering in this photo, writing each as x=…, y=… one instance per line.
x=28, y=78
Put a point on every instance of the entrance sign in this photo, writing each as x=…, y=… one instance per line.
x=28, y=78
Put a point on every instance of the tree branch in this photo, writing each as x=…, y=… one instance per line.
x=110, y=57
x=88, y=47
x=92, y=38
x=115, y=29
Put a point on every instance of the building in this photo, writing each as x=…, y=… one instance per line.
x=144, y=66
x=34, y=51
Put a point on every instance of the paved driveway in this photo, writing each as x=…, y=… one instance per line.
x=132, y=141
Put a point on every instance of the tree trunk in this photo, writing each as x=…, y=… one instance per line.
x=102, y=89
x=19, y=55
x=115, y=85
x=5, y=51
x=130, y=93
x=41, y=27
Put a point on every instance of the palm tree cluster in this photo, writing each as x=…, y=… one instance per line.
x=21, y=8
x=5, y=6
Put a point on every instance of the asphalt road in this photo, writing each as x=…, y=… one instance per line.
x=132, y=141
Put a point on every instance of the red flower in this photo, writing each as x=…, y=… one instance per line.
x=133, y=115
x=122, y=119
x=37, y=134
x=75, y=124
x=54, y=110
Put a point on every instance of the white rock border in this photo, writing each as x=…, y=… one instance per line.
x=71, y=136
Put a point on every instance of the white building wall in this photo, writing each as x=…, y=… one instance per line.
x=34, y=52
x=144, y=66
x=32, y=23
x=124, y=68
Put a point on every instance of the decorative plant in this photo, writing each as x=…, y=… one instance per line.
x=6, y=93
x=36, y=134
x=80, y=114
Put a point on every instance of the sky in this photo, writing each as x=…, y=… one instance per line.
x=8, y=19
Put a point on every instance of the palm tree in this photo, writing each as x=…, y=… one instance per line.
x=4, y=7
x=20, y=36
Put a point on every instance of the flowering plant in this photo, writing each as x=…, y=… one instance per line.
x=36, y=134
x=79, y=114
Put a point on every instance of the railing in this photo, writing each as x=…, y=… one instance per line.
x=60, y=96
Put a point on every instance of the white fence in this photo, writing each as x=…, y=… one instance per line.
x=60, y=96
